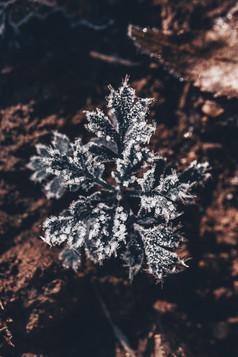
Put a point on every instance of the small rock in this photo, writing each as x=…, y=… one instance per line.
x=220, y=330
x=212, y=109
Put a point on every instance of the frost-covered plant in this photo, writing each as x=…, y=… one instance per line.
x=133, y=211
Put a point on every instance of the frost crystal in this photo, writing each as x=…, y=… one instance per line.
x=103, y=223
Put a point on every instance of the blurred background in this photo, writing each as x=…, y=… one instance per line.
x=57, y=59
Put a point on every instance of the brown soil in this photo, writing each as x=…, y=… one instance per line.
x=49, y=73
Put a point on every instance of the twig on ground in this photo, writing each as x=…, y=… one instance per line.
x=183, y=98
x=113, y=59
x=117, y=332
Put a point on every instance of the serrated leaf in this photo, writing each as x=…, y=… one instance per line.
x=61, y=142
x=160, y=260
x=167, y=236
x=39, y=175
x=103, y=153
x=65, y=229
x=139, y=133
x=71, y=258
x=133, y=160
x=107, y=231
x=100, y=125
x=55, y=188
x=159, y=207
x=121, y=101
x=127, y=109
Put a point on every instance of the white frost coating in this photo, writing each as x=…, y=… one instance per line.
x=160, y=261
x=58, y=236
x=106, y=232
x=132, y=212
x=61, y=143
x=139, y=133
x=160, y=206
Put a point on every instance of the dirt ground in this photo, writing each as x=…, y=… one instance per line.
x=52, y=68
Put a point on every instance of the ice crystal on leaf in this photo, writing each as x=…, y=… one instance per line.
x=103, y=224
